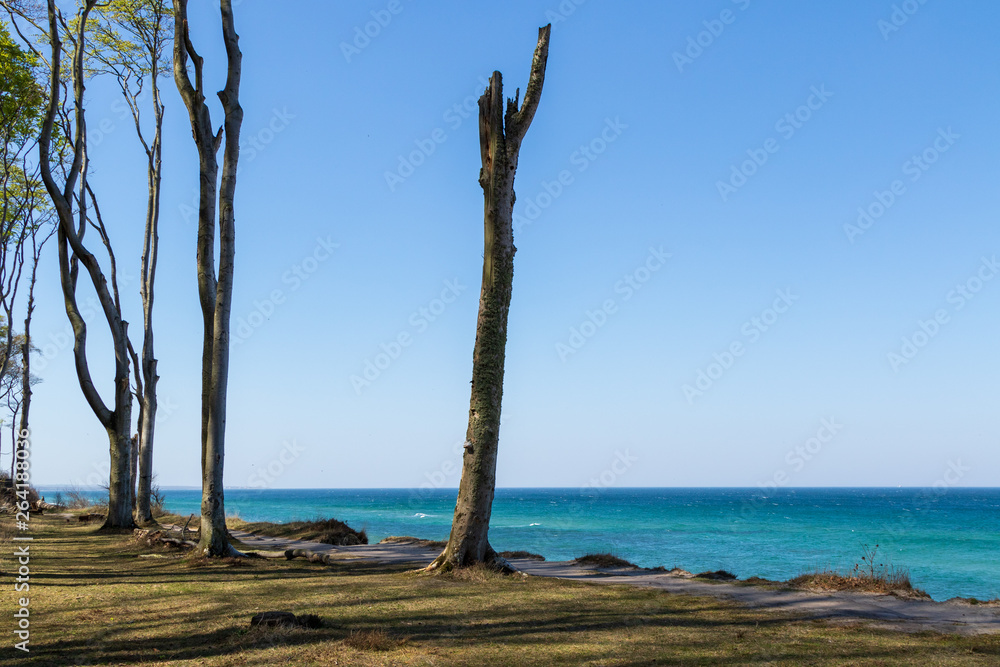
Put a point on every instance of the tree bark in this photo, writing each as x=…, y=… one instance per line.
x=36, y=251
x=215, y=291
x=117, y=421
x=150, y=251
x=468, y=543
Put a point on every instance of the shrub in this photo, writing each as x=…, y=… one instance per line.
x=77, y=500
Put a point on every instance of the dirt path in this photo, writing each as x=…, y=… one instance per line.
x=884, y=610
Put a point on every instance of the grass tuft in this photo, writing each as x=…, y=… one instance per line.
x=605, y=560
x=717, y=575
x=520, y=554
x=325, y=531
x=893, y=581
x=868, y=576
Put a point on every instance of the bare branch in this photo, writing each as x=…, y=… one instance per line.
x=518, y=121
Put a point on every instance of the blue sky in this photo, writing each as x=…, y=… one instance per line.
x=730, y=145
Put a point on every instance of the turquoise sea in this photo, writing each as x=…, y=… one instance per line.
x=948, y=539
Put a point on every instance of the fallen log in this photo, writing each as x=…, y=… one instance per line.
x=152, y=537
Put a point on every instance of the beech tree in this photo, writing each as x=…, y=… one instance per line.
x=41, y=232
x=77, y=210
x=129, y=38
x=500, y=136
x=215, y=290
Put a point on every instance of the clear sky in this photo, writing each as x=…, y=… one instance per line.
x=690, y=189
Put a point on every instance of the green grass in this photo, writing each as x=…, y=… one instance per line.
x=95, y=602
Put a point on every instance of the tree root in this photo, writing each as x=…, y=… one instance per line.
x=446, y=562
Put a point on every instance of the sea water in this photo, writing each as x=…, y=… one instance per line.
x=949, y=540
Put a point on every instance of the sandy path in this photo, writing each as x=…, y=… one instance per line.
x=884, y=610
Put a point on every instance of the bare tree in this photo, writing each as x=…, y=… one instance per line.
x=130, y=40
x=44, y=232
x=73, y=202
x=215, y=290
x=500, y=136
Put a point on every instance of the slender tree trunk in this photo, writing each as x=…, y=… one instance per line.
x=26, y=348
x=147, y=425
x=121, y=490
x=499, y=146
x=143, y=508
x=215, y=291
x=72, y=225
x=133, y=457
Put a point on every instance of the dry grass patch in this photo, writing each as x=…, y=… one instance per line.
x=894, y=583
x=605, y=561
x=373, y=640
x=868, y=576
x=325, y=531
x=520, y=554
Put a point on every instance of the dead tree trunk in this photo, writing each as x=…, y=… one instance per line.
x=500, y=136
x=215, y=291
x=72, y=225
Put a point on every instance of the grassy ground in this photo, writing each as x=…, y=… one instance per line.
x=94, y=601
